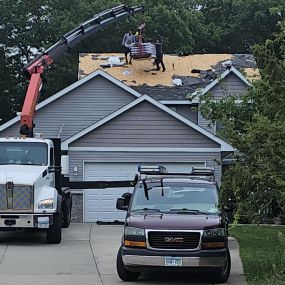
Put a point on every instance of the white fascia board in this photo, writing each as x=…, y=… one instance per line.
x=216, y=81
x=176, y=102
x=84, y=80
x=143, y=149
x=224, y=146
x=72, y=87
x=9, y=123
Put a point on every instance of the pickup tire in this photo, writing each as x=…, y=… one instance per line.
x=53, y=234
x=123, y=273
x=223, y=275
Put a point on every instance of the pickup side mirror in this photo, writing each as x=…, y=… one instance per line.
x=127, y=197
x=121, y=204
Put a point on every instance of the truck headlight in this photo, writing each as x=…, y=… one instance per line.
x=220, y=232
x=131, y=231
x=46, y=204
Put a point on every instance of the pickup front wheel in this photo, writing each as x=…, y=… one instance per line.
x=53, y=234
x=223, y=275
x=123, y=273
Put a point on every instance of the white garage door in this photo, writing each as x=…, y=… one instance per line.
x=100, y=204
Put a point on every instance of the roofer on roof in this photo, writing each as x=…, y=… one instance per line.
x=159, y=53
x=128, y=40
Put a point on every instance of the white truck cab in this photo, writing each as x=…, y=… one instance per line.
x=28, y=194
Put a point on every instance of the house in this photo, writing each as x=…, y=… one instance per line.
x=108, y=128
x=198, y=74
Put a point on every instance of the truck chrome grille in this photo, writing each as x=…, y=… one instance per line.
x=174, y=240
x=22, y=197
x=3, y=198
x=17, y=198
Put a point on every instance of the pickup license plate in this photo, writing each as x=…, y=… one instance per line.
x=173, y=261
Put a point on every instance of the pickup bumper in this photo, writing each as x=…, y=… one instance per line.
x=148, y=260
x=14, y=221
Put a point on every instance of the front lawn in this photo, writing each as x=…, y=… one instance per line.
x=262, y=250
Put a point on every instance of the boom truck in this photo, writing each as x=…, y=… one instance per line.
x=34, y=187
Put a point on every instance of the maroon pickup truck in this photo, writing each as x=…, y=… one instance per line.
x=173, y=223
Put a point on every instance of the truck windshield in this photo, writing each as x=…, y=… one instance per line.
x=180, y=197
x=25, y=153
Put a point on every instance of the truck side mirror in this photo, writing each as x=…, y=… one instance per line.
x=121, y=204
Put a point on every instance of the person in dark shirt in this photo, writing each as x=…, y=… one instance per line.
x=159, y=53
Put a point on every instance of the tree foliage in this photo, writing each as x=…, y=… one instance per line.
x=256, y=127
x=187, y=26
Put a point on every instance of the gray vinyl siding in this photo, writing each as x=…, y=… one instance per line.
x=232, y=85
x=77, y=109
x=206, y=124
x=185, y=111
x=77, y=159
x=145, y=125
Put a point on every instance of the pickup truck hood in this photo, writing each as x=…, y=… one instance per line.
x=21, y=174
x=173, y=221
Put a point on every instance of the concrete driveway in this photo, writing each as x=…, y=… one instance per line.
x=86, y=256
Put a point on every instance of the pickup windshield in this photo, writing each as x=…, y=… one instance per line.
x=23, y=153
x=176, y=197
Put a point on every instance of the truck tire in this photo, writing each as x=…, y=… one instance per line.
x=123, y=273
x=223, y=275
x=53, y=234
x=66, y=212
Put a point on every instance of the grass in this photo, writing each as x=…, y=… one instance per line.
x=262, y=250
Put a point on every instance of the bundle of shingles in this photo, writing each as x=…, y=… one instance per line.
x=143, y=51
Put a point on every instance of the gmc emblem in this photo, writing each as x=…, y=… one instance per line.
x=173, y=240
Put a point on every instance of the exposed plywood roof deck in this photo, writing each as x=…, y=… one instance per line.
x=142, y=72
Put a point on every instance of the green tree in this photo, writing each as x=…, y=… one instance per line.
x=242, y=23
x=256, y=127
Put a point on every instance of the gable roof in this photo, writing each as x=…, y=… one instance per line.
x=217, y=81
x=71, y=87
x=224, y=145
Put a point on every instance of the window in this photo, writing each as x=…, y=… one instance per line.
x=23, y=153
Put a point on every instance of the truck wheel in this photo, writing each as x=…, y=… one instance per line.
x=223, y=275
x=53, y=234
x=123, y=273
x=66, y=215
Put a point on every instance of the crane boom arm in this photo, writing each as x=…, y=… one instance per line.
x=36, y=67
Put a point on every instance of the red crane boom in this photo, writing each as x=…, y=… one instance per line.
x=36, y=68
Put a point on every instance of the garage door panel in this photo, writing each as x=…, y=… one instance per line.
x=100, y=204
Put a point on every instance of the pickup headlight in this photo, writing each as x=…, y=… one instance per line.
x=130, y=231
x=134, y=237
x=46, y=204
x=220, y=232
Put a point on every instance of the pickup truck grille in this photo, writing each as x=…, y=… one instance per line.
x=174, y=240
x=16, y=198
